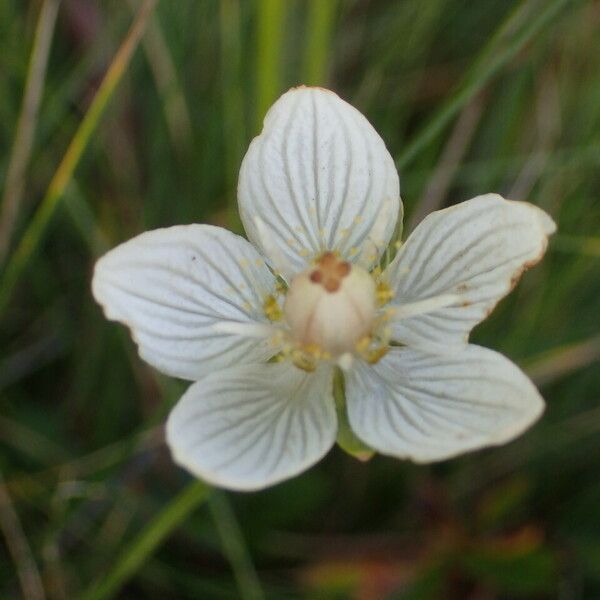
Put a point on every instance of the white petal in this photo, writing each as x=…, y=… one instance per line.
x=248, y=427
x=421, y=307
x=477, y=250
x=319, y=178
x=174, y=287
x=427, y=407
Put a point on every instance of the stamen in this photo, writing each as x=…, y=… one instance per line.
x=307, y=357
x=281, y=287
x=421, y=307
x=383, y=293
x=303, y=361
x=272, y=309
x=376, y=354
x=372, y=349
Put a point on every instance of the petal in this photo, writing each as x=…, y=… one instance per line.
x=318, y=178
x=175, y=287
x=429, y=407
x=477, y=250
x=248, y=427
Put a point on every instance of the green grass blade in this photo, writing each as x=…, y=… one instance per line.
x=26, y=125
x=134, y=556
x=554, y=364
x=319, y=31
x=234, y=126
x=14, y=536
x=41, y=219
x=234, y=547
x=84, y=221
x=270, y=28
x=493, y=58
x=164, y=71
x=577, y=244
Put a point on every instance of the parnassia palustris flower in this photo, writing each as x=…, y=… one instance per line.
x=262, y=327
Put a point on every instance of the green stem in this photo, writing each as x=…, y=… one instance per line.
x=346, y=438
x=134, y=556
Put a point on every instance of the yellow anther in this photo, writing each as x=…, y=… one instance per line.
x=303, y=361
x=383, y=293
x=315, y=351
x=272, y=309
x=371, y=350
x=376, y=354
x=307, y=356
x=363, y=344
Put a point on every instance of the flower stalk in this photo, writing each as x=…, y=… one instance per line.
x=346, y=438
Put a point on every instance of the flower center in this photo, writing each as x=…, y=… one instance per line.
x=331, y=306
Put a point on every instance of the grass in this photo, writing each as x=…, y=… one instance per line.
x=142, y=116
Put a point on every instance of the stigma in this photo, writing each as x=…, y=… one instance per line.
x=331, y=306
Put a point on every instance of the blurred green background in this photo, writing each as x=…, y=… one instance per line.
x=119, y=116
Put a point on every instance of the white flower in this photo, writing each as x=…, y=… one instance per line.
x=261, y=327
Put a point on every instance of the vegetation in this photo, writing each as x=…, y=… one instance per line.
x=122, y=116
